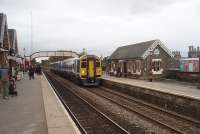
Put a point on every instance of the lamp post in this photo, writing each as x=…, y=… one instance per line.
x=24, y=62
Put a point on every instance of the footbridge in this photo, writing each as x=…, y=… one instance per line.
x=53, y=54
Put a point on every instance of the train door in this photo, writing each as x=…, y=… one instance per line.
x=91, y=68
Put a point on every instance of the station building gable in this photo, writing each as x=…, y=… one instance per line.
x=4, y=36
x=4, y=40
x=13, y=42
x=139, y=59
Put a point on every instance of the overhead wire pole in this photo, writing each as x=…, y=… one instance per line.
x=31, y=34
x=24, y=60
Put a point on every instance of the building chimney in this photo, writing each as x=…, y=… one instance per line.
x=198, y=49
x=192, y=48
x=176, y=54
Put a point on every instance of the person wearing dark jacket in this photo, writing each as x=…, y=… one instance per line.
x=31, y=72
x=39, y=70
x=12, y=86
x=119, y=72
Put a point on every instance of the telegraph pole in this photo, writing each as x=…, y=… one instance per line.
x=24, y=60
x=31, y=32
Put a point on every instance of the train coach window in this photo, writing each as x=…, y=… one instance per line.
x=83, y=65
x=78, y=66
x=97, y=64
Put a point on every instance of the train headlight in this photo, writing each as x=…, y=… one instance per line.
x=83, y=72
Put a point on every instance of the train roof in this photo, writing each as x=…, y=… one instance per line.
x=72, y=59
x=89, y=56
x=54, y=62
x=64, y=61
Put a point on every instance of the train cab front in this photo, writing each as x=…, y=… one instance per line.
x=90, y=71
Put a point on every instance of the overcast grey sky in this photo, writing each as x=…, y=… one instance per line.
x=101, y=26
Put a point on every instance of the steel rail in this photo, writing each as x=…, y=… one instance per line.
x=99, y=112
x=81, y=128
x=151, y=106
x=142, y=115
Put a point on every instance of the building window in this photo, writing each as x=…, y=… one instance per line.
x=156, y=64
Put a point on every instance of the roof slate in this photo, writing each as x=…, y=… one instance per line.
x=133, y=51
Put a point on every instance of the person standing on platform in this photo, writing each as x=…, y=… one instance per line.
x=150, y=76
x=39, y=70
x=31, y=73
x=119, y=72
x=12, y=86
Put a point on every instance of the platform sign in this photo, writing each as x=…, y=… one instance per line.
x=189, y=65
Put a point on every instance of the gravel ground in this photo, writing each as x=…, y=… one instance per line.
x=185, y=126
x=130, y=121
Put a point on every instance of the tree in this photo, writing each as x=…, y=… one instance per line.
x=45, y=63
x=34, y=62
x=83, y=52
x=105, y=63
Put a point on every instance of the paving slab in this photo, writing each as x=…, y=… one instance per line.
x=177, y=88
x=25, y=113
x=36, y=110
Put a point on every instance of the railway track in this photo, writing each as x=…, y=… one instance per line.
x=159, y=117
x=89, y=119
x=173, y=122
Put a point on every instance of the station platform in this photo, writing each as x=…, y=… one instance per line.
x=36, y=110
x=166, y=86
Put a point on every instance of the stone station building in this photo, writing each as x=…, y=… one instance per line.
x=138, y=60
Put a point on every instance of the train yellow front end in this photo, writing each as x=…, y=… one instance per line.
x=90, y=70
